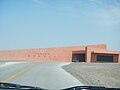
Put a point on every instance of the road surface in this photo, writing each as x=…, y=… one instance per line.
x=48, y=75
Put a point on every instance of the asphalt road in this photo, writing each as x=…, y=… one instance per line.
x=48, y=75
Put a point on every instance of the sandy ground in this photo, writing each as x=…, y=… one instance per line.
x=97, y=74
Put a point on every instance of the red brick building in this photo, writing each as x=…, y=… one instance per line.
x=90, y=53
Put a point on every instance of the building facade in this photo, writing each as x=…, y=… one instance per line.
x=89, y=53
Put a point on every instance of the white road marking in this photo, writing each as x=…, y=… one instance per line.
x=10, y=63
x=74, y=79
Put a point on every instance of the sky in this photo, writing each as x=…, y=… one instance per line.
x=58, y=23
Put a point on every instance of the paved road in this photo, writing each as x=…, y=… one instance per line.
x=47, y=75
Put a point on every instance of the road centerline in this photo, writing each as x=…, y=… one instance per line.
x=18, y=73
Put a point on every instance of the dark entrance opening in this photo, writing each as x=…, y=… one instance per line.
x=101, y=58
x=78, y=57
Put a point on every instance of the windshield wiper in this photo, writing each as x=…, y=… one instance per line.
x=90, y=88
x=10, y=86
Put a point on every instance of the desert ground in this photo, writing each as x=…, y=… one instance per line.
x=96, y=74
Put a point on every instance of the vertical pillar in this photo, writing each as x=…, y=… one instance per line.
x=88, y=54
x=119, y=58
x=116, y=58
x=70, y=56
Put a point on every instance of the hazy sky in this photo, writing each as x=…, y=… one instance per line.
x=57, y=23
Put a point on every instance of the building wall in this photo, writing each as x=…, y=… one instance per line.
x=52, y=54
x=100, y=46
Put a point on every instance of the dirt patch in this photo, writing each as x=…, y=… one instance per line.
x=97, y=74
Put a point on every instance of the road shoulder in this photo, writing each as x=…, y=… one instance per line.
x=97, y=74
